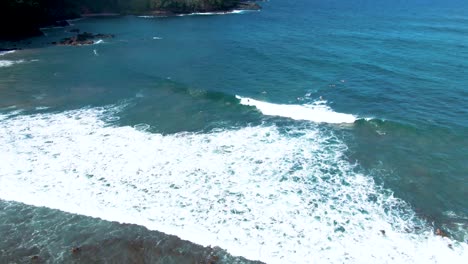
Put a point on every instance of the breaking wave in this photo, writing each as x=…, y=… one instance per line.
x=316, y=112
x=264, y=192
x=8, y=63
x=3, y=53
x=214, y=13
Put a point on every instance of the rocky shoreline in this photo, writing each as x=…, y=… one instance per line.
x=28, y=21
x=242, y=5
x=84, y=38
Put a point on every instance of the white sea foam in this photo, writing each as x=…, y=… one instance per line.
x=316, y=112
x=3, y=53
x=10, y=113
x=255, y=191
x=214, y=13
x=203, y=14
x=40, y=108
x=99, y=41
x=151, y=17
x=8, y=63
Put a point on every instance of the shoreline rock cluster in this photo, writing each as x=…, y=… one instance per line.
x=84, y=38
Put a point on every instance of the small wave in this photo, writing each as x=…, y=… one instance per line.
x=142, y=127
x=157, y=38
x=40, y=108
x=201, y=14
x=11, y=113
x=3, y=53
x=317, y=112
x=99, y=41
x=151, y=17
x=8, y=63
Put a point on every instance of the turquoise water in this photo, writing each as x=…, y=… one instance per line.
x=294, y=134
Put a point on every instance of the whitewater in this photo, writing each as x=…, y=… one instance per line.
x=279, y=195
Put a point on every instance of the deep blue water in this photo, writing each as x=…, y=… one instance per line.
x=148, y=124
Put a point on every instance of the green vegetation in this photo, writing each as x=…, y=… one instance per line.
x=192, y=5
x=22, y=18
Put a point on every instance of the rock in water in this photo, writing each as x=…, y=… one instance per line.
x=84, y=38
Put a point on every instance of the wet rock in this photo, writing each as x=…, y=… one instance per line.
x=4, y=50
x=84, y=38
x=248, y=5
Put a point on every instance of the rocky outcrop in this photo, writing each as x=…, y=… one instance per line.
x=22, y=19
x=248, y=5
x=84, y=38
x=182, y=8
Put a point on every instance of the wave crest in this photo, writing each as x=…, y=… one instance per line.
x=8, y=63
x=317, y=112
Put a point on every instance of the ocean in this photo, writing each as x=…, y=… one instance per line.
x=307, y=132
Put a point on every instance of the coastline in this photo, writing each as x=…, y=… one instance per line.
x=162, y=245
x=99, y=15
x=193, y=127
x=28, y=28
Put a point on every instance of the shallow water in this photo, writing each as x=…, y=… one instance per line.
x=41, y=235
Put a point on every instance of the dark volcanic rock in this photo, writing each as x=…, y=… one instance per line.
x=248, y=5
x=168, y=249
x=23, y=19
x=84, y=38
x=178, y=10
x=4, y=50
